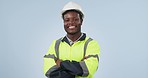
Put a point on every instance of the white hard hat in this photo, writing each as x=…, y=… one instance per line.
x=73, y=6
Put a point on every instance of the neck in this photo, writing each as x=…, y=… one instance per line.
x=74, y=37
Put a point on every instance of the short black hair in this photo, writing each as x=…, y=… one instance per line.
x=80, y=13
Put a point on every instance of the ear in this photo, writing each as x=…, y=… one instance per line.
x=81, y=21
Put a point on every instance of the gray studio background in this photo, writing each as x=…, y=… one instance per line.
x=27, y=28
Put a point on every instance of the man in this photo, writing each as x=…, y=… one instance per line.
x=75, y=55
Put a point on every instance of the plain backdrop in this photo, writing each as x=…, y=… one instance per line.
x=27, y=28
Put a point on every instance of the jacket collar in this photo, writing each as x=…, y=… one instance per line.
x=81, y=39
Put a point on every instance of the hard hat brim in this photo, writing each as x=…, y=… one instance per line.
x=75, y=10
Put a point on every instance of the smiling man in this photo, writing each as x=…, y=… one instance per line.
x=75, y=55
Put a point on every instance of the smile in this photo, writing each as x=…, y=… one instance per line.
x=71, y=27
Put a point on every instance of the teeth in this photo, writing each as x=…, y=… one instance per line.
x=71, y=27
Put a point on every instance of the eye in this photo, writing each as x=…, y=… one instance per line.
x=76, y=19
x=66, y=20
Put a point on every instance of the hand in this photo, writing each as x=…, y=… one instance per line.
x=58, y=62
x=84, y=58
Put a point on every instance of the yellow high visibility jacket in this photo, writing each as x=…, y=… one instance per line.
x=75, y=52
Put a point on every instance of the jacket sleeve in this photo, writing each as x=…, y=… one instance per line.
x=90, y=62
x=73, y=67
x=49, y=60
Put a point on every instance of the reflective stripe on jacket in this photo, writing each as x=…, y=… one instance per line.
x=75, y=52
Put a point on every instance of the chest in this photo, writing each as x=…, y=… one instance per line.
x=72, y=53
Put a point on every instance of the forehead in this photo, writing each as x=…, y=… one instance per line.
x=71, y=14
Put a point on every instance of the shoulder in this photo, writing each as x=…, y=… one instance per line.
x=92, y=42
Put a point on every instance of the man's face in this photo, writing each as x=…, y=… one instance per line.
x=72, y=23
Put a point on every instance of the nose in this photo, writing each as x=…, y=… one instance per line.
x=71, y=22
